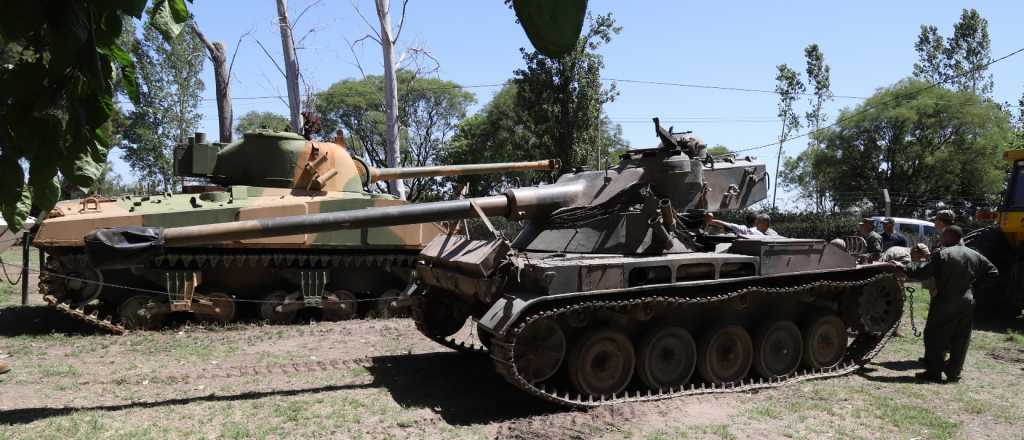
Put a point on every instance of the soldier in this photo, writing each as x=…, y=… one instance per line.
x=943, y=219
x=873, y=240
x=890, y=237
x=763, y=224
x=955, y=269
x=748, y=229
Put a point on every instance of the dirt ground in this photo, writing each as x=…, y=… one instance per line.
x=381, y=379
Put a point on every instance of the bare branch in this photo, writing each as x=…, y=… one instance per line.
x=372, y=28
x=295, y=22
x=309, y=32
x=276, y=92
x=414, y=54
x=279, y=69
x=401, y=22
x=238, y=44
x=357, y=64
x=203, y=39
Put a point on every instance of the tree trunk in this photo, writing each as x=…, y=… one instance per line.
x=222, y=81
x=392, y=151
x=291, y=65
x=778, y=161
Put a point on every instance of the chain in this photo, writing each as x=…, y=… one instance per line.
x=910, y=301
x=8, y=276
x=861, y=350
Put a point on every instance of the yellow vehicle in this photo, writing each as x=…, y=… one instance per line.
x=1003, y=244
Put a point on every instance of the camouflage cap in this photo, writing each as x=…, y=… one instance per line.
x=947, y=216
x=923, y=248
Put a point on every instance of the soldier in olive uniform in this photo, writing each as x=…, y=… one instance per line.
x=873, y=240
x=955, y=269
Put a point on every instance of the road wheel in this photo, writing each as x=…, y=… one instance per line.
x=602, y=362
x=778, y=348
x=824, y=340
x=135, y=315
x=338, y=305
x=223, y=308
x=269, y=309
x=725, y=354
x=539, y=350
x=667, y=358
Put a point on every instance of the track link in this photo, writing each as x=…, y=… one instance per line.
x=79, y=314
x=863, y=348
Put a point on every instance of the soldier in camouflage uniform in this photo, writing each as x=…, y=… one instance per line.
x=955, y=269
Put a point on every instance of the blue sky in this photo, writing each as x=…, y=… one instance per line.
x=868, y=44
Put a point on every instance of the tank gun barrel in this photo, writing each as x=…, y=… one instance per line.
x=119, y=247
x=378, y=174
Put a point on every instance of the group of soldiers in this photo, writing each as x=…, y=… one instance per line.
x=948, y=272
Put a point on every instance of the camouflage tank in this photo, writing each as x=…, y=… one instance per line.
x=614, y=291
x=266, y=174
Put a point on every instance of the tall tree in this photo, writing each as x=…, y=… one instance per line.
x=789, y=87
x=291, y=65
x=921, y=143
x=819, y=77
x=968, y=53
x=565, y=95
x=169, y=95
x=60, y=60
x=429, y=111
x=931, y=55
x=960, y=61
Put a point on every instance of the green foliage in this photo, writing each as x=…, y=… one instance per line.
x=926, y=143
x=429, y=110
x=961, y=61
x=789, y=87
x=552, y=27
x=719, y=150
x=564, y=96
x=804, y=225
x=261, y=120
x=59, y=59
x=819, y=77
x=169, y=94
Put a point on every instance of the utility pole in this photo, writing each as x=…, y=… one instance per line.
x=888, y=202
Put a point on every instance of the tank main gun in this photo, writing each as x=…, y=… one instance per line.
x=381, y=174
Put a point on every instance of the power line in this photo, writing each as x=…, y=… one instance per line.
x=894, y=98
x=712, y=87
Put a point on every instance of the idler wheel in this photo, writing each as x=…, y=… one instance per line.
x=725, y=354
x=386, y=310
x=778, y=348
x=338, y=305
x=223, y=310
x=824, y=340
x=539, y=350
x=135, y=315
x=880, y=306
x=667, y=358
x=272, y=311
x=602, y=362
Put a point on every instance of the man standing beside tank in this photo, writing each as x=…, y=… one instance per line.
x=871, y=238
x=890, y=237
x=955, y=269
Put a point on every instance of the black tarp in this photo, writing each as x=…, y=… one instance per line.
x=123, y=247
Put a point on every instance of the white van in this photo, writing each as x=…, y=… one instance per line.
x=916, y=231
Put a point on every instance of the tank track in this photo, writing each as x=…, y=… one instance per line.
x=226, y=260
x=863, y=348
x=451, y=342
x=80, y=315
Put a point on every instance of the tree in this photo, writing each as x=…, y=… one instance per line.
x=931, y=55
x=218, y=56
x=60, y=60
x=166, y=115
x=502, y=132
x=255, y=120
x=922, y=143
x=429, y=111
x=789, y=87
x=819, y=77
x=719, y=150
x=968, y=53
x=565, y=95
x=961, y=60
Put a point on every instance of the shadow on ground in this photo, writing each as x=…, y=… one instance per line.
x=871, y=374
x=35, y=320
x=462, y=389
